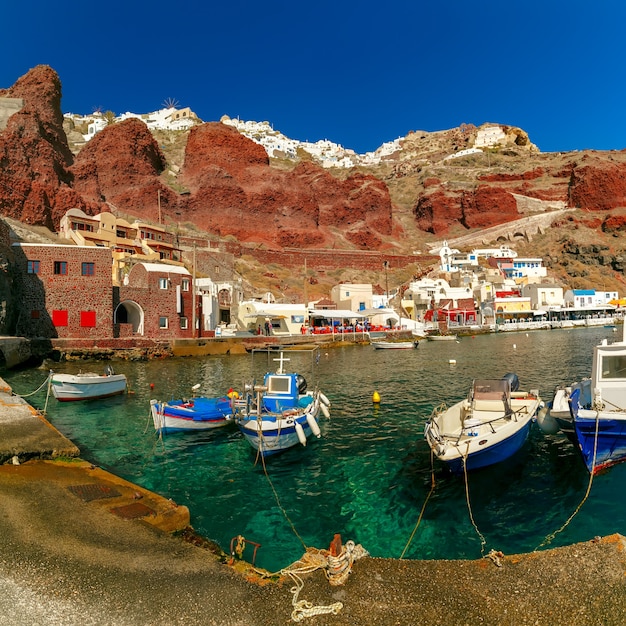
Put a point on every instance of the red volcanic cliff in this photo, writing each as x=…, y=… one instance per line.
x=235, y=191
x=35, y=182
x=232, y=188
x=121, y=165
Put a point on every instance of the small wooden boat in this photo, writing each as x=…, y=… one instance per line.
x=489, y=426
x=394, y=345
x=197, y=413
x=280, y=413
x=87, y=385
x=441, y=337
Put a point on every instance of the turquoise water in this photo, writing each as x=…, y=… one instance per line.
x=369, y=475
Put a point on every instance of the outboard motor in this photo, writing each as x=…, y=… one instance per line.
x=302, y=384
x=513, y=379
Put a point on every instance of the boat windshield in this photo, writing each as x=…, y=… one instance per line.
x=499, y=389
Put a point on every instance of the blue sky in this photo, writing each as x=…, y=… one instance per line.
x=356, y=73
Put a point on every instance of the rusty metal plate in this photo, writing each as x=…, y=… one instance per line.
x=90, y=492
x=133, y=511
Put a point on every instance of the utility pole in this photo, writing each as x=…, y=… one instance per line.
x=386, y=266
x=305, y=295
x=193, y=292
x=159, y=203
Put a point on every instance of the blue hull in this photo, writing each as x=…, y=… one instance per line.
x=493, y=454
x=601, y=436
x=611, y=441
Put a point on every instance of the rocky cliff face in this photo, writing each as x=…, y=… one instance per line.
x=226, y=184
x=230, y=188
x=235, y=191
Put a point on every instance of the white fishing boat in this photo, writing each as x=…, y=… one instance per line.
x=441, y=337
x=87, y=385
x=488, y=427
x=394, y=345
x=280, y=413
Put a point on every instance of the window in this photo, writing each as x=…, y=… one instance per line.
x=60, y=267
x=33, y=267
x=88, y=319
x=184, y=323
x=163, y=322
x=88, y=269
x=185, y=284
x=59, y=318
x=614, y=366
x=163, y=283
x=34, y=314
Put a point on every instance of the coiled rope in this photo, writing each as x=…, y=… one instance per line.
x=337, y=568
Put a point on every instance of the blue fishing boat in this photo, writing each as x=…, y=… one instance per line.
x=197, y=413
x=280, y=413
x=489, y=426
x=598, y=407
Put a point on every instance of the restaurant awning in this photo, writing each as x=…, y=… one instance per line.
x=334, y=314
x=276, y=316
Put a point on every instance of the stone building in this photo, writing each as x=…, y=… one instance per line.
x=156, y=301
x=64, y=291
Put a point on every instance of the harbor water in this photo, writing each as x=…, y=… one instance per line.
x=370, y=475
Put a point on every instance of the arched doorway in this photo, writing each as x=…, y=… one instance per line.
x=129, y=312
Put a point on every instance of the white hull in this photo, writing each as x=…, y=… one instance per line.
x=480, y=432
x=270, y=433
x=71, y=387
x=394, y=345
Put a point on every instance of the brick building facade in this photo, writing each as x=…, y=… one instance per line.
x=156, y=301
x=64, y=291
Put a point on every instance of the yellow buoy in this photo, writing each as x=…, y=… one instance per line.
x=376, y=398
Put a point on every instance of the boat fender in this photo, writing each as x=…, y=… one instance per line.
x=300, y=433
x=312, y=422
x=324, y=399
x=325, y=410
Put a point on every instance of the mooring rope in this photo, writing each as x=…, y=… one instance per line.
x=551, y=536
x=280, y=506
x=32, y=393
x=336, y=568
x=483, y=541
x=430, y=493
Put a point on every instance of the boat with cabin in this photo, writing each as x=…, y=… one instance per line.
x=598, y=407
x=281, y=412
